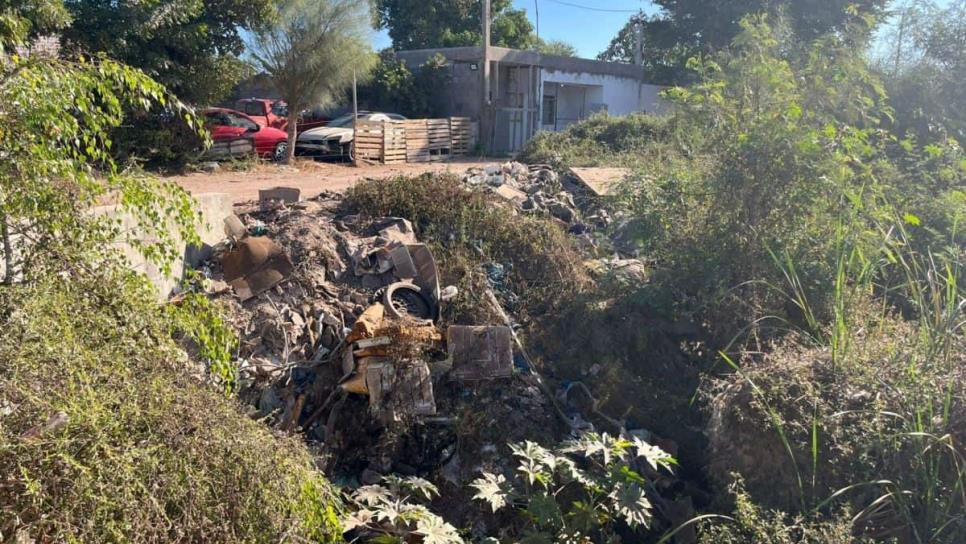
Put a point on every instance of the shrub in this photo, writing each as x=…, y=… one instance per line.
x=868, y=411
x=106, y=437
x=538, y=265
x=584, y=491
x=751, y=523
x=602, y=140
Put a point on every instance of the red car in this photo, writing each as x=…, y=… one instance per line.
x=228, y=126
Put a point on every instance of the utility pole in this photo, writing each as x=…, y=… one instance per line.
x=485, y=106
x=536, y=13
x=355, y=118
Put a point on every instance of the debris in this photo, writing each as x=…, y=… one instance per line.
x=480, y=353
x=405, y=300
x=277, y=196
x=367, y=323
x=234, y=228
x=256, y=265
x=512, y=194
x=53, y=423
x=398, y=230
x=600, y=181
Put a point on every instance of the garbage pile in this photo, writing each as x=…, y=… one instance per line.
x=341, y=341
x=535, y=188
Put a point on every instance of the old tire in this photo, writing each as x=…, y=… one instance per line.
x=281, y=150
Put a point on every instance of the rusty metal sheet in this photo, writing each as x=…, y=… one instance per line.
x=255, y=265
x=480, y=353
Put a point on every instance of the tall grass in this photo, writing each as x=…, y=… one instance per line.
x=921, y=488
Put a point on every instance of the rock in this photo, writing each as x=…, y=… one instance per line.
x=210, y=167
x=562, y=211
x=495, y=180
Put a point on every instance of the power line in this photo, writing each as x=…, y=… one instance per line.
x=589, y=8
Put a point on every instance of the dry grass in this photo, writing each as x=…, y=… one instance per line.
x=543, y=269
x=146, y=453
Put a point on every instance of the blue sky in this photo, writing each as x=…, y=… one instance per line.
x=588, y=30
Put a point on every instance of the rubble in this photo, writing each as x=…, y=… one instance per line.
x=534, y=188
x=341, y=338
x=342, y=342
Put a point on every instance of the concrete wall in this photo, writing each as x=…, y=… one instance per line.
x=214, y=208
x=621, y=95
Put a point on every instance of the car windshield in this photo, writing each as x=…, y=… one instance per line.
x=342, y=122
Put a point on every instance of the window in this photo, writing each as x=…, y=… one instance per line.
x=549, y=109
x=241, y=122
x=254, y=108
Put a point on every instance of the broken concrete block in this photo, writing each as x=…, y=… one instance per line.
x=276, y=195
x=515, y=196
x=235, y=228
x=480, y=353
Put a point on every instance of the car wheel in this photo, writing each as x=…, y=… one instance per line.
x=280, y=152
x=347, y=151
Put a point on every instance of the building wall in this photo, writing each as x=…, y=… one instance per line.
x=621, y=95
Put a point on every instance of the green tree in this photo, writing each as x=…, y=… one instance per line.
x=451, y=23
x=924, y=68
x=190, y=46
x=57, y=117
x=685, y=28
x=313, y=52
x=416, y=93
x=556, y=47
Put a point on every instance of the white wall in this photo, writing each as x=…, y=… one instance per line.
x=622, y=95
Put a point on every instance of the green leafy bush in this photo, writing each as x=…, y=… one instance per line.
x=602, y=140
x=583, y=491
x=393, y=513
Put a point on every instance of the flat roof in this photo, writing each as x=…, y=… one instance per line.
x=531, y=58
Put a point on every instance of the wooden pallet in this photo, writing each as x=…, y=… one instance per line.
x=417, y=140
x=394, y=142
x=460, y=135
x=369, y=141
x=413, y=140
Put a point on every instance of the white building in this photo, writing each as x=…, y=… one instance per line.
x=530, y=91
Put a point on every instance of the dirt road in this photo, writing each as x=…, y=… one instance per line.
x=311, y=177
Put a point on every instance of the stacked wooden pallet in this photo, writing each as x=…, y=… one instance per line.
x=461, y=135
x=394, y=142
x=417, y=140
x=369, y=141
x=413, y=140
x=440, y=142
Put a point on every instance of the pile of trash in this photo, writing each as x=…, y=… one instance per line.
x=341, y=341
x=536, y=188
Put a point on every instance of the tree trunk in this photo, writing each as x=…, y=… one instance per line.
x=292, y=128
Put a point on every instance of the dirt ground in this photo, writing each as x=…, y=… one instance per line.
x=309, y=176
